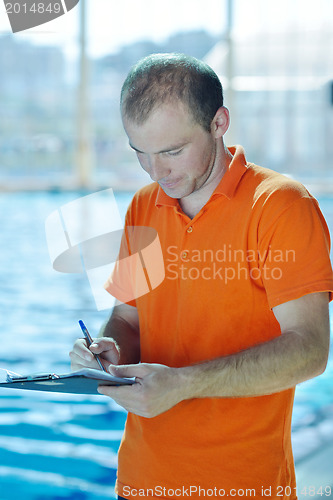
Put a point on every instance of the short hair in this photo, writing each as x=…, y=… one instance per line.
x=160, y=78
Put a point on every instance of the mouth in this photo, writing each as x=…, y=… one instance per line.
x=169, y=185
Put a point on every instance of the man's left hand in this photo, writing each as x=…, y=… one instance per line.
x=157, y=388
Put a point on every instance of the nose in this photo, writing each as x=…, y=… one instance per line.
x=157, y=168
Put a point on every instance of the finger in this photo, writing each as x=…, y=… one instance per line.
x=106, y=390
x=103, y=344
x=107, y=349
x=81, y=350
x=126, y=370
x=81, y=357
x=77, y=366
x=78, y=363
x=122, y=394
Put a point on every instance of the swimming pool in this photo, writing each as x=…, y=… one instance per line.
x=58, y=446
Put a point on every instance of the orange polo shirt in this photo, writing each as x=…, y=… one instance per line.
x=259, y=241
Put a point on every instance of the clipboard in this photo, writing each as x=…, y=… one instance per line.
x=80, y=382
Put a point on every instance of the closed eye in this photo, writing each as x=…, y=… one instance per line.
x=175, y=153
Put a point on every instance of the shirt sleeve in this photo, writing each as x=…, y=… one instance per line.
x=139, y=267
x=296, y=246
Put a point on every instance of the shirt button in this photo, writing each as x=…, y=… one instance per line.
x=184, y=255
x=189, y=229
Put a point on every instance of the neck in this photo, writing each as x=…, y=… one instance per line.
x=193, y=203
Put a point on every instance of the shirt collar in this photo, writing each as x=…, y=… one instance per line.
x=236, y=169
x=227, y=185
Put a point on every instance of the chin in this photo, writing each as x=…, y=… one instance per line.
x=177, y=193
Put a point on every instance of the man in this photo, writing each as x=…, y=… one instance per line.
x=241, y=316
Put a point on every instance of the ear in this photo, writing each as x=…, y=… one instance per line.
x=220, y=122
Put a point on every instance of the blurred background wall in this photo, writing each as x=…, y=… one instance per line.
x=59, y=89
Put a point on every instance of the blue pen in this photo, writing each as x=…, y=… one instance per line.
x=89, y=341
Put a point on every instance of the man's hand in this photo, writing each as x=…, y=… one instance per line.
x=298, y=354
x=157, y=389
x=83, y=357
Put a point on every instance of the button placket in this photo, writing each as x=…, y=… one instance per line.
x=184, y=255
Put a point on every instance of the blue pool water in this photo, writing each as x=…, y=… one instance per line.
x=58, y=446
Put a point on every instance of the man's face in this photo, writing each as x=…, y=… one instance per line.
x=174, y=150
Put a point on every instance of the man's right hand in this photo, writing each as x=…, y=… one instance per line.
x=83, y=357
